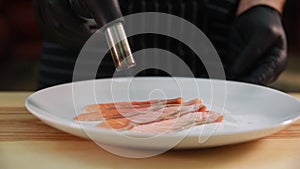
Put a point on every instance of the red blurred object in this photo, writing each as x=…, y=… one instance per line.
x=20, y=37
x=21, y=19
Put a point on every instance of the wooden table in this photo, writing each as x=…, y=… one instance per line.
x=26, y=142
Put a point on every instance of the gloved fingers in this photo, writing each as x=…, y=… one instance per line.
x=66, y=20
x=236, y=43
x=61, y=24
x=269, y=69
x=252, y=52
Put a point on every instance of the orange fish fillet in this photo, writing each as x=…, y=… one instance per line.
x=168, y=112
x=180, y=123
x=132, y=104
x=154, y=116
x=114, y=110
x=169, y=125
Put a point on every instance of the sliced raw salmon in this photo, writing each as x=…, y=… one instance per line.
x=114, y=110
x=154, y=116
x=144, y=117
x=177, y=124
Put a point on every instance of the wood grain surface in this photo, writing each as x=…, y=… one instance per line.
x=28, y=143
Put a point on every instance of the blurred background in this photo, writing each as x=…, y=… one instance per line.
x=21, y=41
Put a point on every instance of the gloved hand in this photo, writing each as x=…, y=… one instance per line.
x=65, y=21
x=60, y=23
x=257, y=46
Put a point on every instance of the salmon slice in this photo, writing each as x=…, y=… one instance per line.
x=110, y=110
x=121, y=123
x=117, y=123
x=115, y=113
x=143, y=117
x=163, y=114
x=177, y=124
x=110, y=113
x=130, y=105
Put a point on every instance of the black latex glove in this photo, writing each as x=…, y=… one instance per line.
x=64, y=21
x=60, y=23
x=257, y=46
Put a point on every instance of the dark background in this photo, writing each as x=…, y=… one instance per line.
x=21, y=41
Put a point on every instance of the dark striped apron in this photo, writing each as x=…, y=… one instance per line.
x=213, y=17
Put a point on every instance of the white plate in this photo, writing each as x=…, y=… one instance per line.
x=250, y=111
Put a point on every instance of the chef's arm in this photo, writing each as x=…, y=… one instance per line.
x=247, y=4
